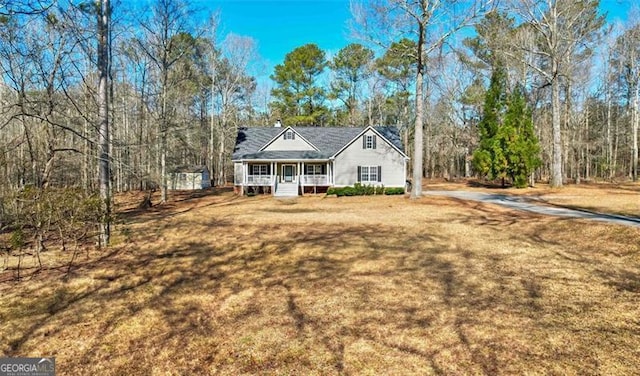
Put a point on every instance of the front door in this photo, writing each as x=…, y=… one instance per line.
x=288, y=173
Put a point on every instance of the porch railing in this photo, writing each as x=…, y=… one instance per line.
x=260, y=179
x=315, y=180
x=266, y=180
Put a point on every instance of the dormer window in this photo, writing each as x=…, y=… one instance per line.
x=289, y=135
x=369, y=142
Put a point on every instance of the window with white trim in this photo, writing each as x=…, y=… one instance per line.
x=313, y=169
x=364, y=173
x=369, y=174
x=289, y=135
x=260, y=169
x=369, y=141
x=373, y=173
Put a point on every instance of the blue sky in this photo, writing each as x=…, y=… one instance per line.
x=279, y=26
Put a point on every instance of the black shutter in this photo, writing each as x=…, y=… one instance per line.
x=379, y=173
x=374, y=141
x=359, y=174
x=293, y=135
x=364, y=142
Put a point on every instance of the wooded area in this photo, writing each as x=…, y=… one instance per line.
x=163, y=87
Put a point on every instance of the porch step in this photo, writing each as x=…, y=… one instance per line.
x=286, y=190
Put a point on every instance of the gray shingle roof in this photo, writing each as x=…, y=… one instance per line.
x=328, y=141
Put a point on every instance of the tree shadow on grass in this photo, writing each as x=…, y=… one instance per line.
x=319, y=298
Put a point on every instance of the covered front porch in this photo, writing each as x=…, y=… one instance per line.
x=289, y=177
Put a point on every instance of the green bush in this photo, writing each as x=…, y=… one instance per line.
x=369, y=190
x=363, y=190
x=351, y=191
x=394, y=191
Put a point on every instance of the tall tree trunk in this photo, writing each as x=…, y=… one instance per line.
x=609, y=139
x=212, y=120
x=221, y=147
x=163, y=138
x=634, y=119
x=587, y=173
x=418, y=155
x=142, y=125
x=616, y=146
x=103, y=115
x=556, y=163
x=48, y=168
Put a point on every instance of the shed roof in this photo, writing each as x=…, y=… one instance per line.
x=328, y=140
x=192, y=169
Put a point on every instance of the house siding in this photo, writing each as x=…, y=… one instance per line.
x=297, y=144
x=391, y=161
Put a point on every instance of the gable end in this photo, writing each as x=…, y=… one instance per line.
x=371, y=143
x=288, y=140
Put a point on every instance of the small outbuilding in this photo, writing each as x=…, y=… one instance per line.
x=189, y=178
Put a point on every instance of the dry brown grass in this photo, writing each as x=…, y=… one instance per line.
x=363, y=285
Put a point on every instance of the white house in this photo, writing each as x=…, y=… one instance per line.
x=288, y=161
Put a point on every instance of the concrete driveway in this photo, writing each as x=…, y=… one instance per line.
x=531, y=205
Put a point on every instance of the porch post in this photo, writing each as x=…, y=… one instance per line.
x=327, y=173
x=333, y=173
x=244, y=173
x=244, y=178
x=302, y=182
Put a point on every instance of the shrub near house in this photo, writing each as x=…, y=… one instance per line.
x=364, y=190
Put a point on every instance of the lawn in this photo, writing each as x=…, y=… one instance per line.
x=220, y=284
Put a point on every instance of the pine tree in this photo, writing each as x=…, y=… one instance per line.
x=489, y=159
x=298, y=96
x=521, y=143
x=508, y=145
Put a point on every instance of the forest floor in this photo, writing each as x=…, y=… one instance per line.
x=212, y=283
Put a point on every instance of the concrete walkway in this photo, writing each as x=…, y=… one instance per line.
x=531, y=205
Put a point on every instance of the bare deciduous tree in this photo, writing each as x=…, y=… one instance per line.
x=562, y=30
x=431, y=23
x=162, y=45
x=104, y=174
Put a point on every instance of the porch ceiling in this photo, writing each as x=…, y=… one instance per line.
x=286, y=156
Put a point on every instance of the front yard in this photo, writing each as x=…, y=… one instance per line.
x=360, y=285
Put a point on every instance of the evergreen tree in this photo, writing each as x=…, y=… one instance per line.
x=489, y=159
x=508, y=145
x=299, y=97
x=351, y=67
x=398, y=67
x=521, y=144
